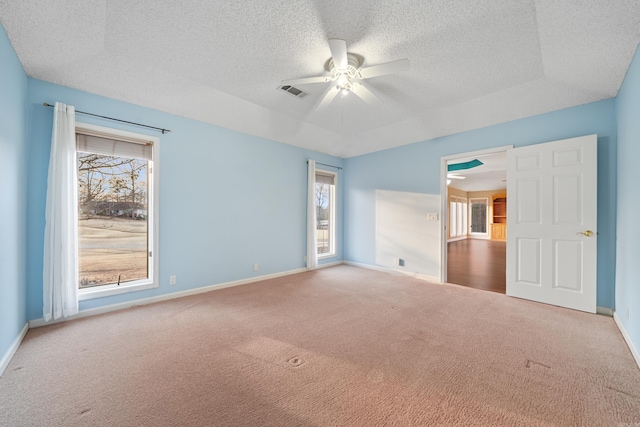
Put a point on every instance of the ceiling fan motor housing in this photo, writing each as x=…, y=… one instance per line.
x=353, y=61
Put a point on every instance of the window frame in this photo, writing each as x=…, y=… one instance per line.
x=153, y=213
x=332, y=214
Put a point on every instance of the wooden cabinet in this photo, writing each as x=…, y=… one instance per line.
x=499, y=232
x=499, y=218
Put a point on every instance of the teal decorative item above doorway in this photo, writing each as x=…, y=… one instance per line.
x=465, y=165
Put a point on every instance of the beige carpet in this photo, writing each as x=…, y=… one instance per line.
x=336, y=346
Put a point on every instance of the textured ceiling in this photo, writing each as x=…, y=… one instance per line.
x=474, y=63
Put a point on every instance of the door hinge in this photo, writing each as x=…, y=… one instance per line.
x=150, y=254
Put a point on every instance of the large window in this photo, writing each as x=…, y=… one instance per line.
x=325, y=202
x=478, y=215
x=117, y=203
x=457, y=216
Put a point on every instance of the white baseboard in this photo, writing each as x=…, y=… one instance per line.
x=330, y=264
x=144, y=301
x=480, y=237
x=4, y=362
x=424, y=277
x=470, y=237
x=457, y=239
x=627, y=338
x=606, y=311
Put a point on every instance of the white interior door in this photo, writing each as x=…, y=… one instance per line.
x=551, y=222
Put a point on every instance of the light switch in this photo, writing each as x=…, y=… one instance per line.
x=432, y=216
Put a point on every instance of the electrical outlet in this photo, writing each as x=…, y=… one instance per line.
x=626, y=312
x=172, y=280
x=255, y=267
x=432, y=216
x=396, y=261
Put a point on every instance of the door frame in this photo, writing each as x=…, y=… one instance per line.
x=444, y=203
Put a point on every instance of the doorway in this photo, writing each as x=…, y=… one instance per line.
x=474, y=219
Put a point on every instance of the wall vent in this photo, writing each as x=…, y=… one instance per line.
x=294, y=91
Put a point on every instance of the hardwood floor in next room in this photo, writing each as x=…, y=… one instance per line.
x=479, y=264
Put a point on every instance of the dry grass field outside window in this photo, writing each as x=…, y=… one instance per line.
x=111, y=247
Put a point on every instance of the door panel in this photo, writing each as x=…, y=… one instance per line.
x=552, y=202
x=529, y=262
x=567, y=265
x=529, y=206
x=567, y=206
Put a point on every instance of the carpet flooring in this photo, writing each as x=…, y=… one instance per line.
x=340, y=346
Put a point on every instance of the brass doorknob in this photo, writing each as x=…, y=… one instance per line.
x=587, y=233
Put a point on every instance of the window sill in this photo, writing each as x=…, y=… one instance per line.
x=109, y=290
x=327, y=256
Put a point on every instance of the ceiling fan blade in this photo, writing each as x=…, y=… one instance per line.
x=387, y=68
x=305, y=81
x=452, y=176
x=339, y=53
x=331, y=93
x=365, y=94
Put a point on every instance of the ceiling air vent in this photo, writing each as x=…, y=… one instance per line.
x=298, y=93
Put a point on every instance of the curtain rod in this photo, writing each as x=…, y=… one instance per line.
x=116, y=120
x=324, y=164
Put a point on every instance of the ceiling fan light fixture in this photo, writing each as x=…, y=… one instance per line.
x=344, y=83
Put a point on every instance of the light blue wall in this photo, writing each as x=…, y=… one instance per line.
x=416, y=168
x=227, y=199
x=628, y=243
x=13, y=167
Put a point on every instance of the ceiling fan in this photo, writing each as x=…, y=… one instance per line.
x=346, y=76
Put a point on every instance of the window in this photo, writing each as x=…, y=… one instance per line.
x=117, y=211
x=478, y=215
x=326, y=212
x=457, y=216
